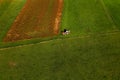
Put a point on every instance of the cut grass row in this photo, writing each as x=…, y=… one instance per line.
x=90, y=58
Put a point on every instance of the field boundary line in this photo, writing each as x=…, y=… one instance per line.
x=41, y=42
x=110, y=17
x=78, y=37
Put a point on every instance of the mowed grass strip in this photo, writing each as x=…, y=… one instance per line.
x=91, y=58
x=114, y=9
x=9, y=9
x=85, y=16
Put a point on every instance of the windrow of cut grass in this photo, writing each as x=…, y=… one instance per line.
x=114, y=10
x=9, y=9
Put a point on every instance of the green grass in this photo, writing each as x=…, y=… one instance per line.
x=114, y=9
x=88, y=58
x=4, y=5
x=8, y=13
x=85, y=16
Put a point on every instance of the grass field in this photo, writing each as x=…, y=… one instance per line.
x=4, y=5
x=90, y=52
x=83, y=17
x=113, y=7
x=88, y=58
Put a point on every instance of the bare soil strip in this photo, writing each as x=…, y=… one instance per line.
x=38, y=18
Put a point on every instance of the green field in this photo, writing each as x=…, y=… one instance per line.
x=113, y=7
x=4, y=5
x=90, y=52
x=88, y=16
x=87, y=58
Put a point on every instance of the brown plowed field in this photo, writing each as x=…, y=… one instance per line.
x=38, y=18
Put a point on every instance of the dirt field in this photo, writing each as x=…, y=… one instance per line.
x=38, y=18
